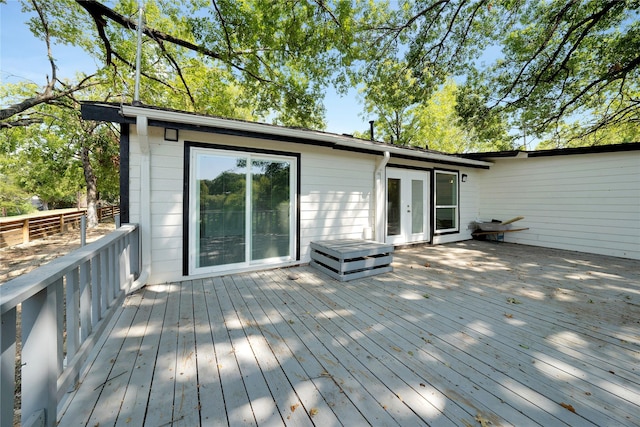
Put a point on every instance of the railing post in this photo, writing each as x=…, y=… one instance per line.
x=104, y=280
x=73, y=305
x=83, y=230
x=25, y=231
x=135, y=253
x=7, y=366
x=96, y=291
x=85, y=303
x=62, y=223
x=39, y=335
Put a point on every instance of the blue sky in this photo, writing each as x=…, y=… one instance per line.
x=23, y=57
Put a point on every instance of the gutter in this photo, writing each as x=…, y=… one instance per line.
x=142, y=130
x=379, y=207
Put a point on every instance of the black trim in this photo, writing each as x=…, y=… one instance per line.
x=112, y=113
x=615, y=148
x=186, y=172
x=124, y=173
x=432, y=204
x=444, y=233
x=188, y=145
x=235, y=132
x=439, y=162
x=104, y=113
x=415, y=168
x=596, y=149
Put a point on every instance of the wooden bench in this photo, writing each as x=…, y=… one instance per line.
x=348, y=259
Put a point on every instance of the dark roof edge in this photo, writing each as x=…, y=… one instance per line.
x=613, y=148
x=120, y=113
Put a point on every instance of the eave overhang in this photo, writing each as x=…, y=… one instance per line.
x=190, y=121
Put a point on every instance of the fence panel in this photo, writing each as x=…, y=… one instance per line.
x=23, y=229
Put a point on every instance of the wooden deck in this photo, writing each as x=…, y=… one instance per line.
x=469, y=334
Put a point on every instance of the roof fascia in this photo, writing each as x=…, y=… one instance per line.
x=266, y=131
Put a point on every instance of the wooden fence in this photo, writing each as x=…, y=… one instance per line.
x=60, y=310
x=25, y=228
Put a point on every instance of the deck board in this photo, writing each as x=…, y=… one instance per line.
x=459, y=334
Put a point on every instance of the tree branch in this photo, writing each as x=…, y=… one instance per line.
x=99, y=11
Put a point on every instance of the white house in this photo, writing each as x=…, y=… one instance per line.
x=213, y=195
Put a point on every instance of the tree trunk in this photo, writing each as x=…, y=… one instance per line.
x=92, y=192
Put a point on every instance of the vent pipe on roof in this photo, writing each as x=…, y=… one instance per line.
x=136, y=92
x=371, y=129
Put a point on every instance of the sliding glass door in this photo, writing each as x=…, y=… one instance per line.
x=241, y=209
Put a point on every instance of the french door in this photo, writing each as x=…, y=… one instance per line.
x=241, y=209
x=407, y=206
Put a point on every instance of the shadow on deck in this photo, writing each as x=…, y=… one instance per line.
x=472, y=333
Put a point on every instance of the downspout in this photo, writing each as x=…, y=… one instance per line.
x=142, y=131
x=379, y=186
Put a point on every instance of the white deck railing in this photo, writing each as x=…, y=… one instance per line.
x=60, y=310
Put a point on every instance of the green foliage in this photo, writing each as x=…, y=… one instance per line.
x=390, y=95
x=13, y=200
x=449, y=120
x=566, y=72
x=41, y=162
x=44, y=159
x=440, y=127
x=567, y=64
x=560, y=65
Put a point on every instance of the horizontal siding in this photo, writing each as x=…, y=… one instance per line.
x=336, y=199
x=167, y=174
x=337, y=196
x=588, y=203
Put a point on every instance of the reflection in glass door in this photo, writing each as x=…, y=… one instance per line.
x=407, y=218
x=221, y=210
x=241, y=209
x=270, y=209
x=394, y=216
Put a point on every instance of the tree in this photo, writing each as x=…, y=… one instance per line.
x=54, y=90
x=281, y=53
x=41, y=162
x=389, y=94
x=13, y=199
x=560, y=60
x=440, y=127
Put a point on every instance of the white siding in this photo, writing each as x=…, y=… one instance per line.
x=588, y=202
x=337, y=196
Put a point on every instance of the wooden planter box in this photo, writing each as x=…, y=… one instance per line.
x=349, y=259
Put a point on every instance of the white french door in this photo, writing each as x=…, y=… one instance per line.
x=407, y=206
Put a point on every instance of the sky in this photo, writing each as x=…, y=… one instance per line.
x=23, y=57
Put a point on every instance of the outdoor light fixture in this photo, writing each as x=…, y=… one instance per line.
x=170, y=134
x=464, y=177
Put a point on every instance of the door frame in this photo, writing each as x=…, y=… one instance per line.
x=191, y=150
x=406, y=176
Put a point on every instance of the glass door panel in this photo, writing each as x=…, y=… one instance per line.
x=417, y=206
x=270, y=213
x=407, y=216
x=394, y=207
x=221, y=210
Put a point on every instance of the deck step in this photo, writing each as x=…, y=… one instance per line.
x=348, y=259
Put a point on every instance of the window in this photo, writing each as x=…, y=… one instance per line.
x=241, y=209
x=446, y=188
